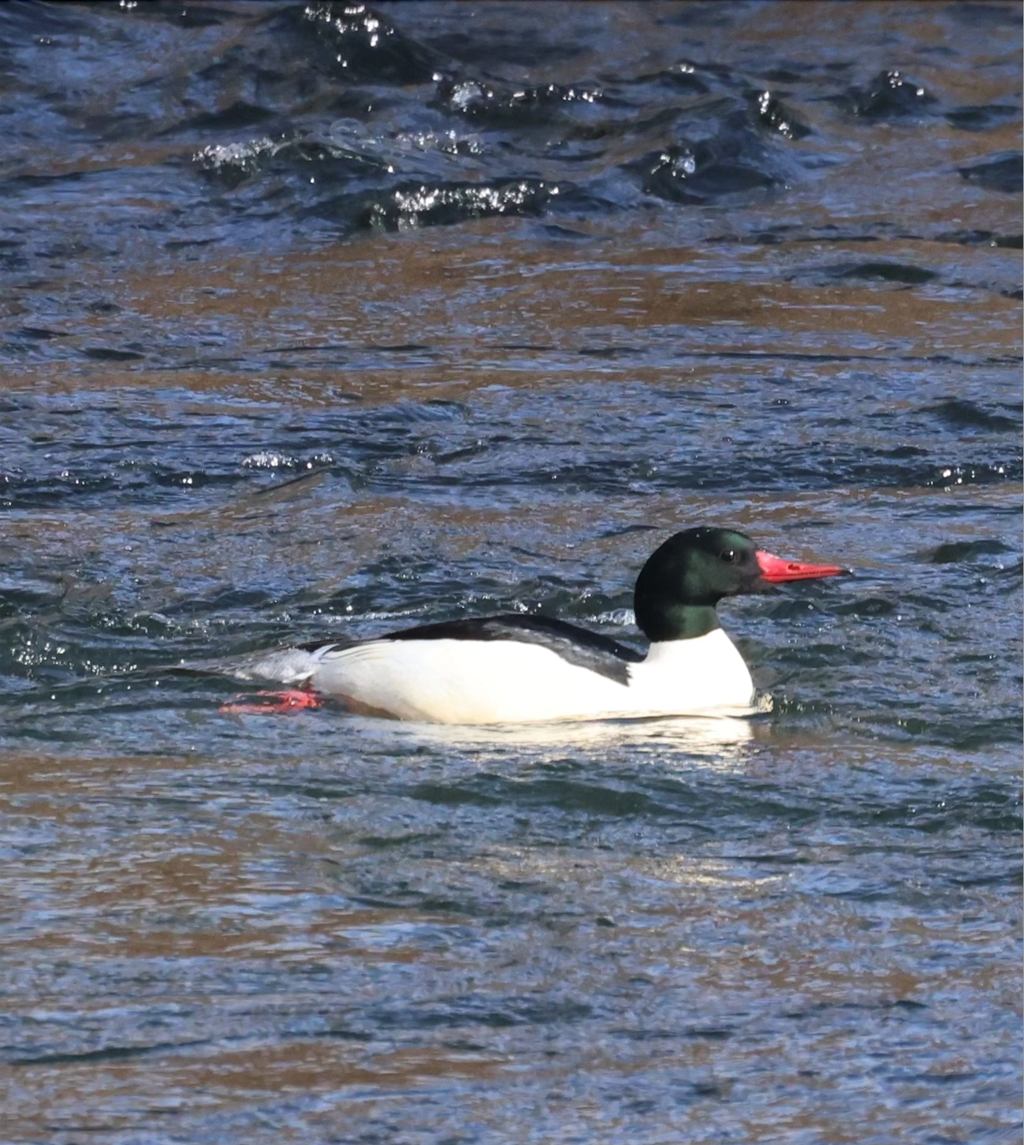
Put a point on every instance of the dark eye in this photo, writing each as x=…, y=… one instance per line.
x=730, y=556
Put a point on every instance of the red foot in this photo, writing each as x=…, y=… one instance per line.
x=272, y=703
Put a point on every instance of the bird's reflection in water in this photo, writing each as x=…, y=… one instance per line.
x=720, y=739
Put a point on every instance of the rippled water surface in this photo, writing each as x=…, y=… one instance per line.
x=321, y=320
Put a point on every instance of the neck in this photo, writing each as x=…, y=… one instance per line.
x=679, y=622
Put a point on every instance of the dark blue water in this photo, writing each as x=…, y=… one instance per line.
x=318, y=321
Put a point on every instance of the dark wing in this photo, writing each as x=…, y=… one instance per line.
x=323, y=645
x=577, y=645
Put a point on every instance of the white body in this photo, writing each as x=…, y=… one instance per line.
x=512, y=681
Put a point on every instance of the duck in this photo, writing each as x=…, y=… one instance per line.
x=517, y=669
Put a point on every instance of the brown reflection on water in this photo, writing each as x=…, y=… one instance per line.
x=443, y=315
x=327, y=1074
x=166, y=876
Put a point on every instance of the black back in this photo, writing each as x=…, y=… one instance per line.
x=576, y=645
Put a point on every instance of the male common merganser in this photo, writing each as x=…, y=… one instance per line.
x=514, y=669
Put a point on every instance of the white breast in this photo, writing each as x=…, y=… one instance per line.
x=681, y=677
